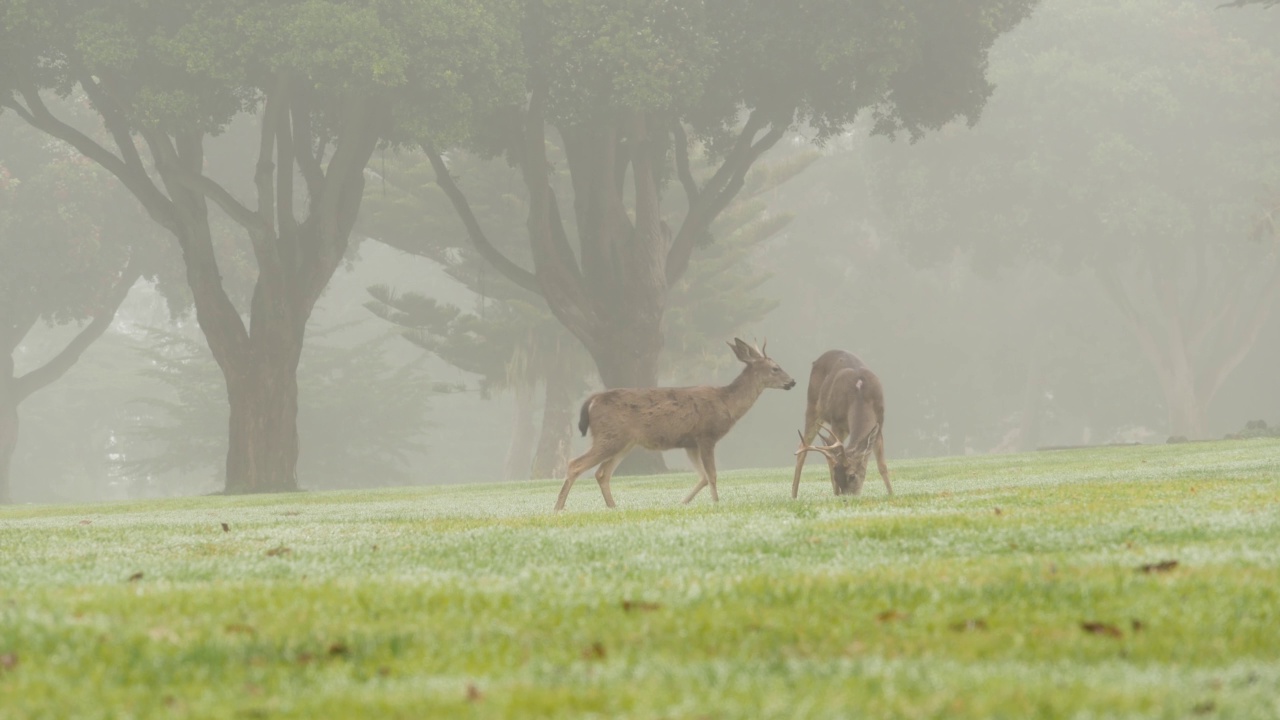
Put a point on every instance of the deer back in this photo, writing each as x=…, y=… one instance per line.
x=853, y=404
x=659, y=418
x=825, y=368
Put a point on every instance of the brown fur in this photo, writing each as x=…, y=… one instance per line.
x=692, y=418
x=847, y=397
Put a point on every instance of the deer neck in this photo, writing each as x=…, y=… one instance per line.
x=741, y=394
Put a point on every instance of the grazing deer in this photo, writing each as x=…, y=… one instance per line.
x=847, y=397
x=693, y=418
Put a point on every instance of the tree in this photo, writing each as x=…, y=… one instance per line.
x=625, y=88
x=330, y=80
x=68, y=255
x=512, y=340
x=1128, y=138
x=177, y=434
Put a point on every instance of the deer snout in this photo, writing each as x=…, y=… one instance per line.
x=790, y=384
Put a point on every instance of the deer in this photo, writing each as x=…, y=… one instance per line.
x=846, y=405
x=665, y=418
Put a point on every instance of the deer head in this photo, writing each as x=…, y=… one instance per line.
x=847, y=463
x=760, y=367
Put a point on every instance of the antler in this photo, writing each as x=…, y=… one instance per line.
x=833, y=445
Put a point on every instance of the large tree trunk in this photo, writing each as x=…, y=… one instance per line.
x=520, y=451
x=262, y=446
x=556, y=433
x=1185, y=411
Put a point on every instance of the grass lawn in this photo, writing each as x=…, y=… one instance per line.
x=996, y=586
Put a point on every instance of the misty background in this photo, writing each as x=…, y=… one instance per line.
x=1093, y=261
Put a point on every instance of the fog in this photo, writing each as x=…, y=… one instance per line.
x=1090, y=257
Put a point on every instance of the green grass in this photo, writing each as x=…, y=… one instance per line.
x=964, y=596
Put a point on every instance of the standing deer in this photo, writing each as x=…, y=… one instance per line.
x=847, y=397
x=693, y=418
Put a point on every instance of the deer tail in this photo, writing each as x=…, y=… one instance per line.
x=584, y=418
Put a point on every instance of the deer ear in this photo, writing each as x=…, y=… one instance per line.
x=742, y=350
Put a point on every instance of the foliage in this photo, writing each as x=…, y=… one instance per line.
x=620, y=89
x=361, y=416
x=949, y=599
x=66, y=230
x=1129, y=138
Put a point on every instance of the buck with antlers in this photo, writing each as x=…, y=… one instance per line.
x=845, y=396
x=693, y=418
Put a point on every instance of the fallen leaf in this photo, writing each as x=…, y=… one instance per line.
x=226, y=528
x=999, y=511
x=304, y=658
x=8, y=661
x=1137, y=625
x=86, y=522
x=640, y=605
x=473, y=693
x=1163, y=566
x=891, y=616
x=971, y=624
x=278, y=550
x=135, y=577
x=1205, y=707
x=595, y=652
x=384, y=671
x=339, y=648
x=240, y=629
x=1097, y=628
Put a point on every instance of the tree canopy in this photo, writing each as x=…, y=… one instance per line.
x=1132, y=139
x=630, y=88
x=328, y=80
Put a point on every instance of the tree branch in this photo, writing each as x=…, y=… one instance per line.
x=304, y=145
x=1262, y=311
x=720, y=191
x=557, y=282
x=475, y=233
x=682, y=162
x=58, y=366
x=159, y=207
x=209, y=188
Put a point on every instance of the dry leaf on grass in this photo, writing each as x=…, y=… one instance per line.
x=1098, y=628
x=1162, y=566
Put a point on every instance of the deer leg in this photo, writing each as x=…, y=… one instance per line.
x=810, y=432
x=604, y=473
x=884, y=469
x=709, y=467
x=577, y=466
x=696, y=460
